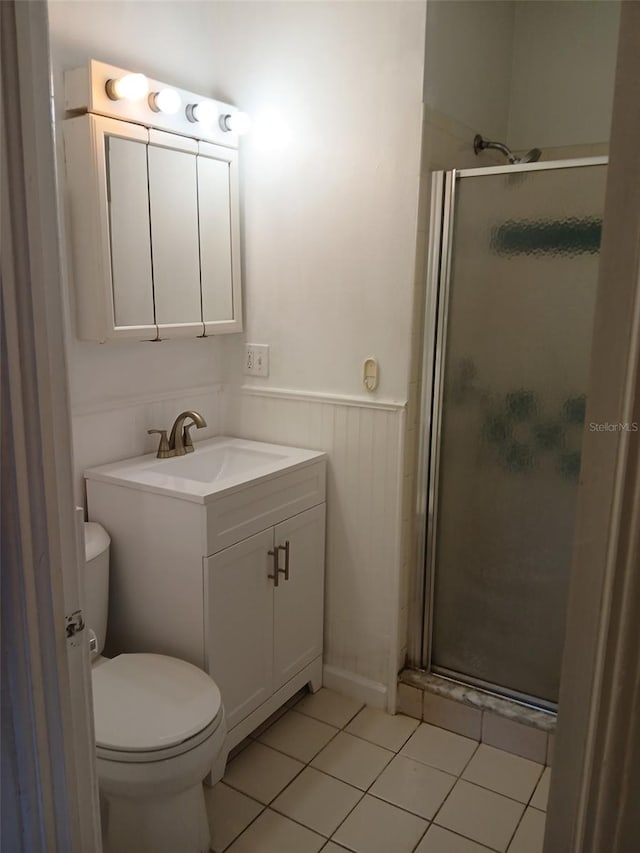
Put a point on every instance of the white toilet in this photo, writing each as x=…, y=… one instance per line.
x=160, y=729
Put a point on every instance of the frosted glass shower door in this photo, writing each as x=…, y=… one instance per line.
x=515, y=338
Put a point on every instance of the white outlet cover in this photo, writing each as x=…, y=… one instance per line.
x=256, y=360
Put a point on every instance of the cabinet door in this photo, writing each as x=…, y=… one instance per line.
x=107, y=191
x=299, y=600
x=128, y=196
x=219, y=238
x=173, y=201
x=239, y=624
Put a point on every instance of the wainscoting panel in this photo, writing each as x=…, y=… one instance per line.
x=364, y=493
x=117, y=429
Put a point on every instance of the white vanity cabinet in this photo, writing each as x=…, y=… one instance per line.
x=154, y=230
x=231, y=581
x=275, y=630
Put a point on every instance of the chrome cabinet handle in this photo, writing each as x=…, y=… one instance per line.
x=285, y=548
x=275, y=576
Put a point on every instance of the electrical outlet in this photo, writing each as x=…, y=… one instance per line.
x=256, y=359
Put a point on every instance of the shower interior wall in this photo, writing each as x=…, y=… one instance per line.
x=525, y=72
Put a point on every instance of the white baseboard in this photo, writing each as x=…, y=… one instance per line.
x=372, y=693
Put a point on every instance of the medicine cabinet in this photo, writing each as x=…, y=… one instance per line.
x=154, y=230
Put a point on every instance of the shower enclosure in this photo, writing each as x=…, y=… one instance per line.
x=511, y=289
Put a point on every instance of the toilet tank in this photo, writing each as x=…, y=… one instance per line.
x=96, y=580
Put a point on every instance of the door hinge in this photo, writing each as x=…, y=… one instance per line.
x=73, y=625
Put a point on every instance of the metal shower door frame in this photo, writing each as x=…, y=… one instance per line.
x=437, y=283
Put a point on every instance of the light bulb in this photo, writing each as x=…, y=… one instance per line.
x=131, y=87
x=165, y=101
x=204, y=112
x=237, y=122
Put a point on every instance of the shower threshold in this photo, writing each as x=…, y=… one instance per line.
x=485, y=687
x=483, y=700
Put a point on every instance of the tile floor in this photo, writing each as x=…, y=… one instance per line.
x=332, y=775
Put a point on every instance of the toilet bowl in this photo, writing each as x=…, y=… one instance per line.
x=160, y=730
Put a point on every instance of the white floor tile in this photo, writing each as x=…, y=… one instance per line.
x=353, y=760
x=329, y=707
x=503, y=772
x=273, y=833
x=297, y=735
x=439, y=840
x=386, y=730
x=439, y=748
x=529, y=837
x=229, y=813
x=481, y=815
x=317, y=801
x=261, y=772
x=541, y=796
x=377, y=827
x=413, y=786
x=334, y=848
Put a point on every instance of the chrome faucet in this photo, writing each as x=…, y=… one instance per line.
x=179, y=441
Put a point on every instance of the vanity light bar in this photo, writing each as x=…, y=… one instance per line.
x=118, y=93
x=204, y=112
x=237, y=122
x=130, y=87
x=166, y=101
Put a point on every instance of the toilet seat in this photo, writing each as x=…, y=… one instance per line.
x=150, y=707
x=149, y=756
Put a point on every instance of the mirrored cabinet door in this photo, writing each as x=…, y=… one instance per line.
x=155, y=232
x=128, y=197
x=108, y=209
x=173, y=202
x=219, y=238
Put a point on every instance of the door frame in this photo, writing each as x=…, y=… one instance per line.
x=50, y=792
x=595, y=783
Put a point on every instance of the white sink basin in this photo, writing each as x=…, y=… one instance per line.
x=217, y=465
x=217, y=462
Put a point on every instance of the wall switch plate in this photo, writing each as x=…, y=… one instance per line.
x=256, y=359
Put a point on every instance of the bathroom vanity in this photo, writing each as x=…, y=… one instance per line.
x=218, y=558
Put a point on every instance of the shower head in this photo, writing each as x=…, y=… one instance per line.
x=530, y=157
x=480, y=144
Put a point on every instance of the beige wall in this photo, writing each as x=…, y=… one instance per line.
x=469, y=49
x=564, y=56
x=525, y=72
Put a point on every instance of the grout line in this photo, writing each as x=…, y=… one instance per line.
x=426, y=829
x=235, y=838
x=527, y=806
x=375, y=743
x=458, y=778
x=366, y=792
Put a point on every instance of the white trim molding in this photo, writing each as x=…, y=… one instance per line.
x=321, y=397
x=365, y=690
